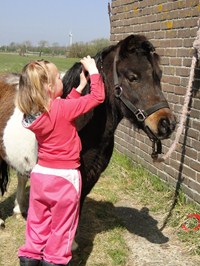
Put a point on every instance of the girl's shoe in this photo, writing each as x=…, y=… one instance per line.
x=45, y=263
x=29, y=262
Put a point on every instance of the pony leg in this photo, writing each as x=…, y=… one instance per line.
x=2, y=224
x=20, y=196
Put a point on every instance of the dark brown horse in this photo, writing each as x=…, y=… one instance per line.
x=132, y=77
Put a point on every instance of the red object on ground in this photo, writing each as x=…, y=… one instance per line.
x=191, y=216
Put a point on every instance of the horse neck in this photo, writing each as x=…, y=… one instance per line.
x=101, y=127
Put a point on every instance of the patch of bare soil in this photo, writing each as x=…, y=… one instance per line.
x=148, y=245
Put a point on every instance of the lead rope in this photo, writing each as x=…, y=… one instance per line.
x=196, y=56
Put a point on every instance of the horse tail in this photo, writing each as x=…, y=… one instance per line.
x=4, y=176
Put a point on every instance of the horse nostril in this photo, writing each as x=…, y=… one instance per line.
x=164, y=123
x=164, y=127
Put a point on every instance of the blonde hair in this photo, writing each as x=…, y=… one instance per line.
x=33, y=96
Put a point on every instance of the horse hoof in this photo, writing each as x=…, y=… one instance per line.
x=74, y=245
x=2, y=224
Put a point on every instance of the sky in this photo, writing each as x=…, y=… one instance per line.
x=53, y=21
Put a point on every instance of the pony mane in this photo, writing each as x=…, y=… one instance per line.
x=71, y=79
x=102, y=54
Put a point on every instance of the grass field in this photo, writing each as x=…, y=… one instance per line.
x=14, y=63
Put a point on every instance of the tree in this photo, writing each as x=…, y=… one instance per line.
x=92, y=48
x=42, y=44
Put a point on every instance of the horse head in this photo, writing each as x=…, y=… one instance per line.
x=136, y=87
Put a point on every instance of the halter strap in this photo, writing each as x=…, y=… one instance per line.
x=141, y=115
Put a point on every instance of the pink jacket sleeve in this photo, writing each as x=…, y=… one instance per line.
x=73, y=94
x=74, y=107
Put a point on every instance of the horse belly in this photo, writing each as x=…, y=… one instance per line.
x=20, y=144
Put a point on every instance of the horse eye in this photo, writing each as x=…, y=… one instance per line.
x=133, y=77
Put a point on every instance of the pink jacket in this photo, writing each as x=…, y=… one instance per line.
x=59, y=145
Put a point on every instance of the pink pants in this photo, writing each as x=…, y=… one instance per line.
x=53, y=214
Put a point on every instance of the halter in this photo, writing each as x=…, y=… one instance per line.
x=140, y=115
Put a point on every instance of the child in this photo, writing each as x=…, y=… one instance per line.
x=55, y=181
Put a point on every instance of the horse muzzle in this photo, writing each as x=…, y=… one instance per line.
x=161, y=124
x=165, y=128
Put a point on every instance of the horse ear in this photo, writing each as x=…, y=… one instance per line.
x=148, y=46
x=131, y=44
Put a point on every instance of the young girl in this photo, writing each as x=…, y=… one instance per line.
x=55, y=181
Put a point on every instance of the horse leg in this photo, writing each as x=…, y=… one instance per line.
x=4, y=174
x=20, y=196
x=2, y=224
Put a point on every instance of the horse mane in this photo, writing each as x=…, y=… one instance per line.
x=102, y=54
x=71, y=79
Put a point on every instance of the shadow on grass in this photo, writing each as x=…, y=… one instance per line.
x=6, y=207
x=100, y=216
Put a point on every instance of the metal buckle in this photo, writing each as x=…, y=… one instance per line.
x=118, y=91
x=140, y=115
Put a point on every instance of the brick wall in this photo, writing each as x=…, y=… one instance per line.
x=172, y=27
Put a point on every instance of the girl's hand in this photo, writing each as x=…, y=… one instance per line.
x=89, y=65
x=83, y=82
x=83, y=79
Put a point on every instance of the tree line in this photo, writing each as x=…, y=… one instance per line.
x=76, y=50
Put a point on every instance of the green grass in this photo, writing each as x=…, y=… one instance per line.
x=14, y=62
x=117, y=249
x=139, y=182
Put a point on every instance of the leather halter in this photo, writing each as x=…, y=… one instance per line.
x=140, y=115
